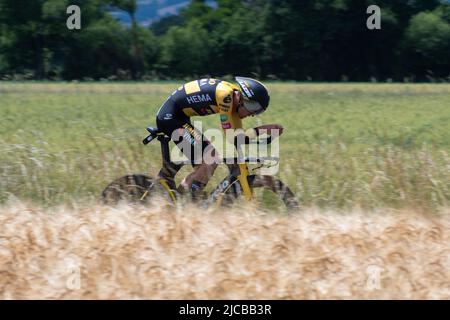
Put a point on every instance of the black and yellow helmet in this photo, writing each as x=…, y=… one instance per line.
x=256, y=96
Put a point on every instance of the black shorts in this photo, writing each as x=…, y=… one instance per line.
x=191, y=141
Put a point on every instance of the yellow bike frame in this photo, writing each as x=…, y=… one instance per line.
x=243, y=180
x=166, y=186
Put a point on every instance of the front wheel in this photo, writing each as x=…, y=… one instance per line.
x=269, y=191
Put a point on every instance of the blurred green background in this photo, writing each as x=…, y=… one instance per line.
x=307, y=40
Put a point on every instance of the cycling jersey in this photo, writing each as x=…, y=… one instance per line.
x=198, y=98
x=205, y=97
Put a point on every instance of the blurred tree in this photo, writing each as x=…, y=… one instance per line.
x=237, y=43
x=185, y=50
x=161, y=26
x=37, y=32
x=427, y=43
x=98, y=52
x=150, y=49
x=197, y=9
x=27, y=28
x=137, y=64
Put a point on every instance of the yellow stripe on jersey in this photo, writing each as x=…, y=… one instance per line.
x=192, y=87
x=190, y=112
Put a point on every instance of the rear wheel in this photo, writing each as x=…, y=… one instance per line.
x=131, y=188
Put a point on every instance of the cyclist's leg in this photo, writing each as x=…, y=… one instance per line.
x=198, y=179
x=201, y=154
x=167, y=120
x=192, y=143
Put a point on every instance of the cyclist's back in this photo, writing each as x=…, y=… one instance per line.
x=202, y=97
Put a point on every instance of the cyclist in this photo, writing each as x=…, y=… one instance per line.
x=206, y=97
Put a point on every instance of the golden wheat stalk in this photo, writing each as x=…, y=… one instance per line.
x=99, y=252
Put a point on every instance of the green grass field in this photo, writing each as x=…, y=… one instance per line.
x=345, y=145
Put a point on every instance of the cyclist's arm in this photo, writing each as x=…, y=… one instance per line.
x=239, y=136
x=230, y=120
x=270, y=129
x=232, y=123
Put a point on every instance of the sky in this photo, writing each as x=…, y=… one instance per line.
x=151, y=10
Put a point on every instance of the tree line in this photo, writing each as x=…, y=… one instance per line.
x=305, y=40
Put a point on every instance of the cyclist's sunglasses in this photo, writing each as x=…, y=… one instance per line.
x=252, y=106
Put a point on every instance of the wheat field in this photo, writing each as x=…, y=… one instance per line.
x=369, y=164
x=126, y=252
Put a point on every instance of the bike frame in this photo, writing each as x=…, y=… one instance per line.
x=238, y=177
